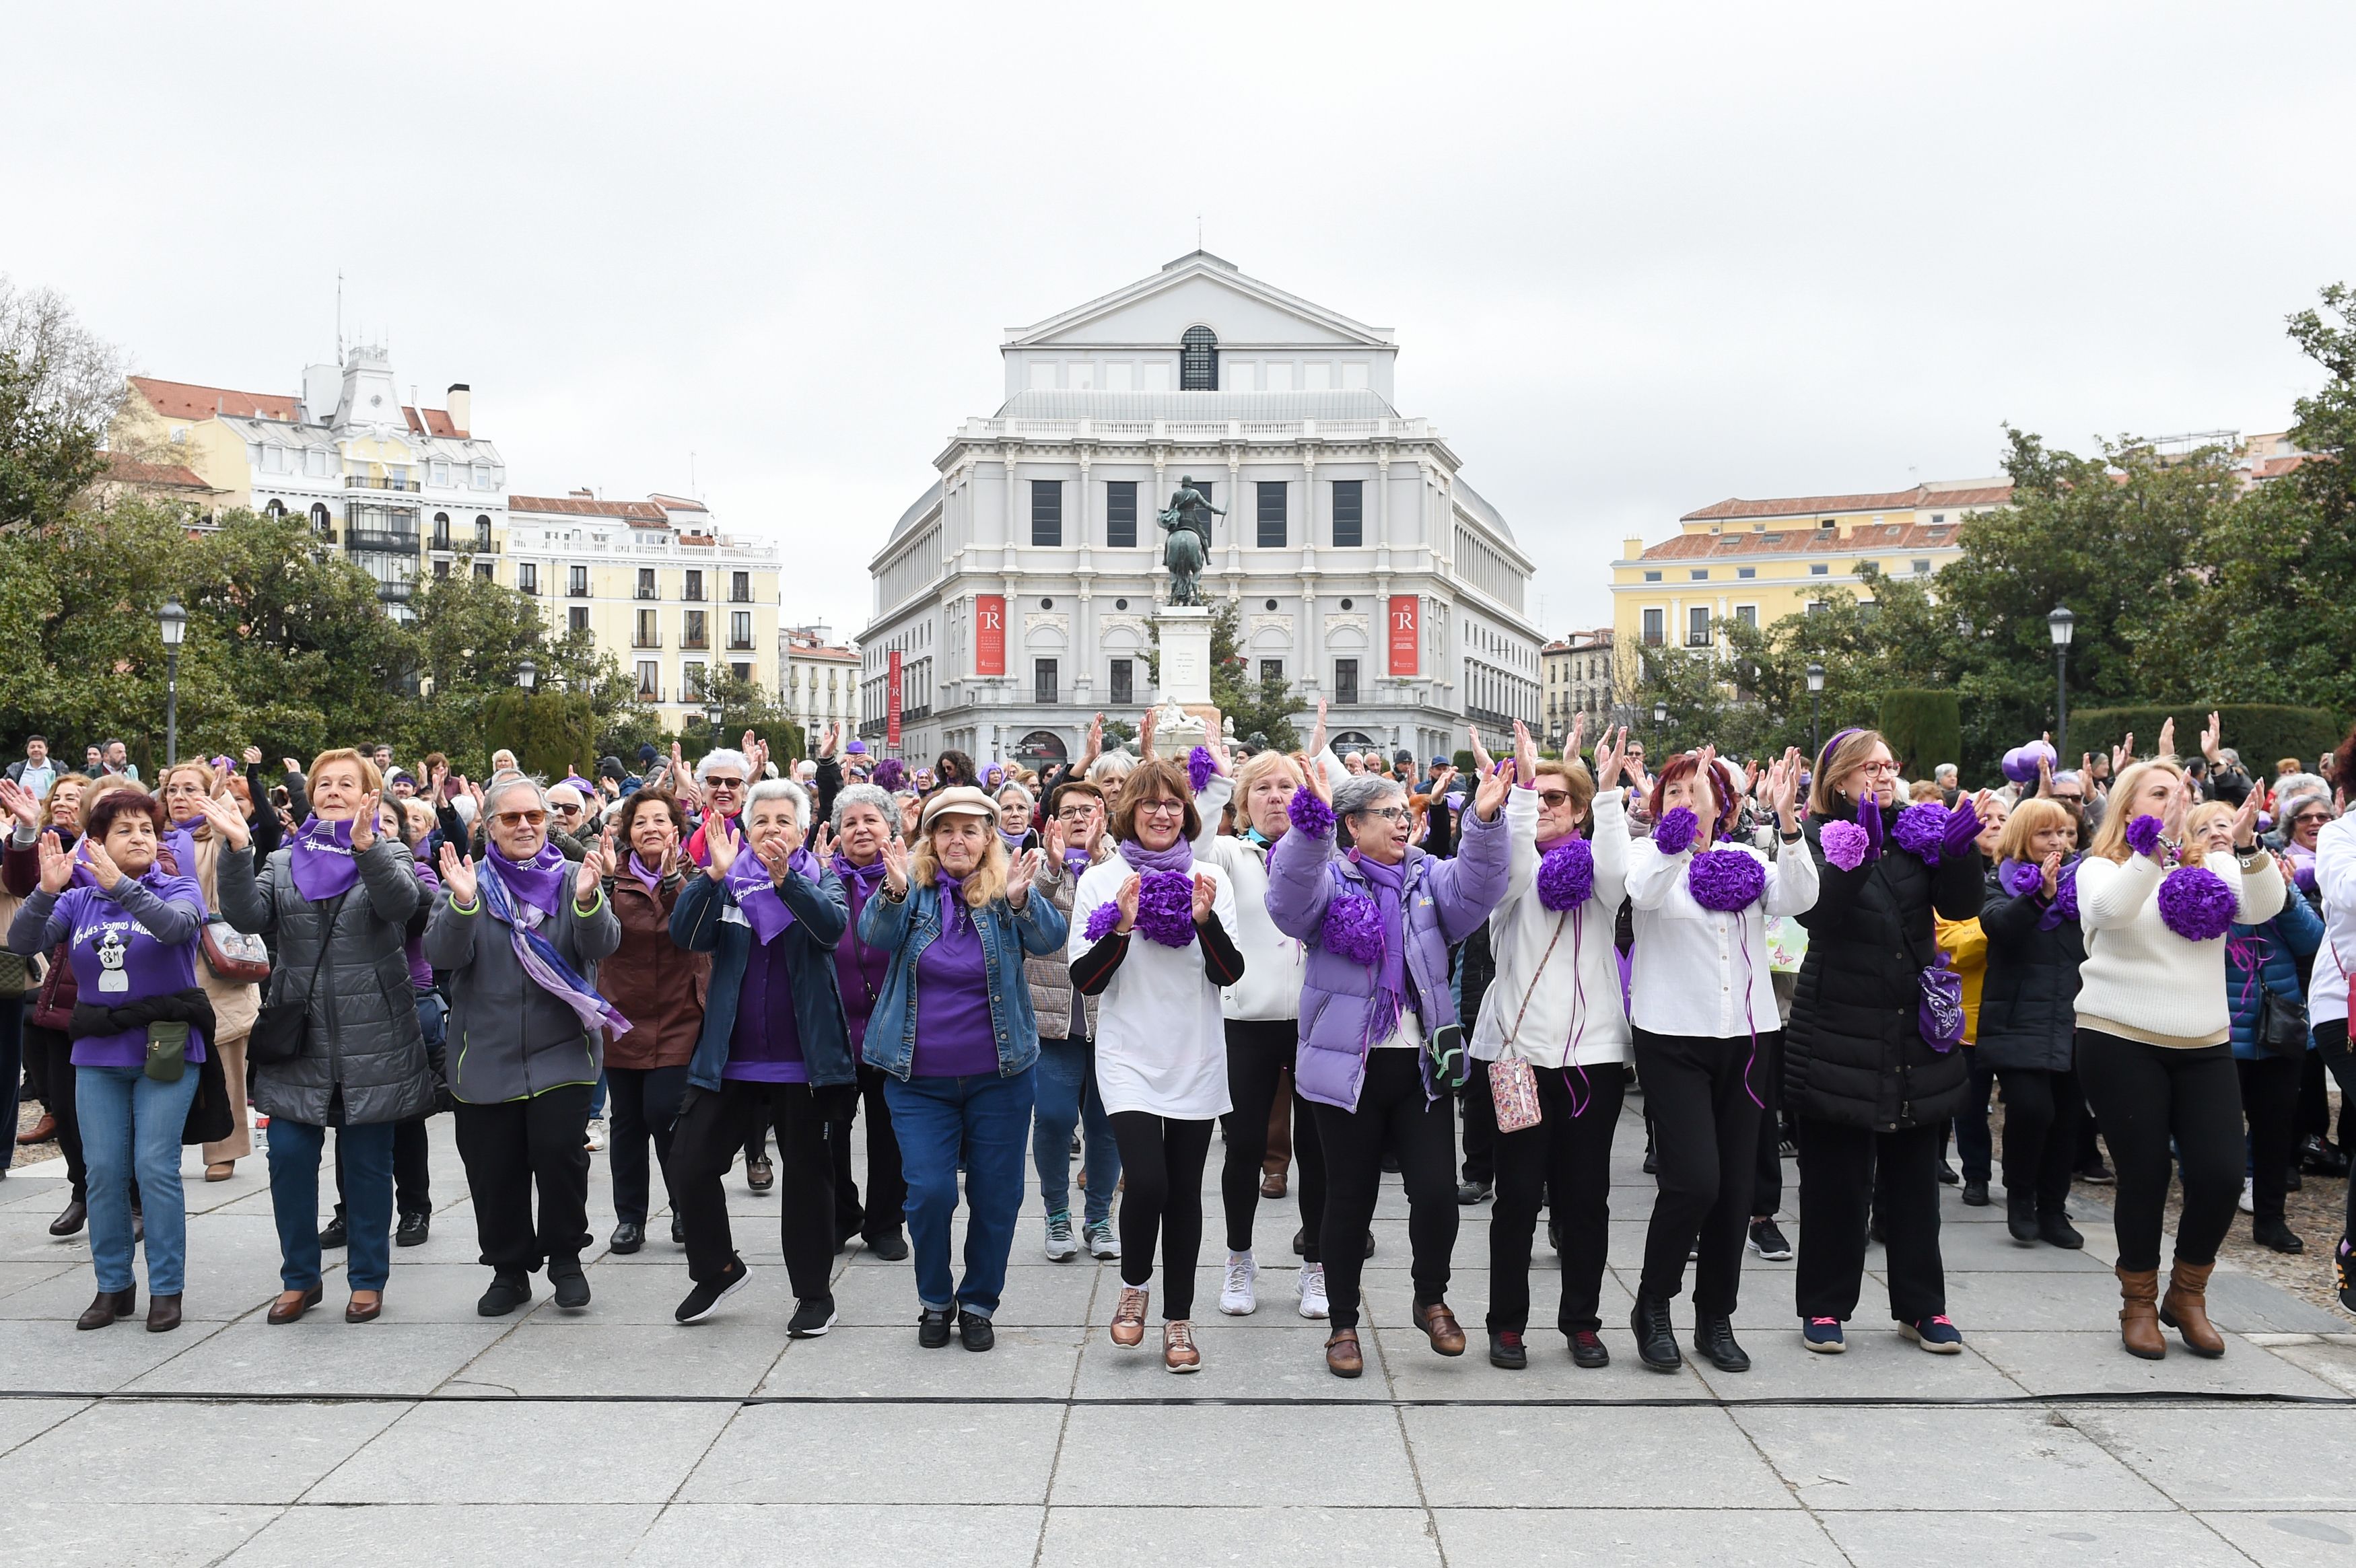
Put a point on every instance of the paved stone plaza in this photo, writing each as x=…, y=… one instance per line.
x=435, y=1436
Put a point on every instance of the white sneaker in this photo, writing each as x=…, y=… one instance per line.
x=1236, y=1298
x=1103, y=1240
x=1312, y=1290
x=596, y=1134
x=2249, y=1204
x=1060, y=1242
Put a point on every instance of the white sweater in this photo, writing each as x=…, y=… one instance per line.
x=2335, y=878
x=1274, y=963
x=1540, y=1002
x=2141, y=980
x=1160, y=1045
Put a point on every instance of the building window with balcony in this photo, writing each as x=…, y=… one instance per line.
x=1043, y=681
x=577, y=618
x=1271, y=514
x=690, y=682
x=1698, y=628
x=1120, y=514
x=1124, y=683
x=1653, y=621
x=440, y=568
x=649, y=681
x=740, y=628
x=1270, y=671
x=1349, y=513
x=1198, y=360
x=482, y=532
x=693, y=591
x=322, y=520
x=647, y=635
x=441, y=530
x=740, y=588
x=1345, y=681
x=576, y=582
x=694, y=635
x=646, y=582
x=527, y=577
x=1047, y=511
x=483, y=570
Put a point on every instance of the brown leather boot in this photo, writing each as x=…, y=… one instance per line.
x=2139, y=1313
x=2185, y=1308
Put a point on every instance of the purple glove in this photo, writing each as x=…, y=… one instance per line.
x=1963, y=827
x=1869, y=816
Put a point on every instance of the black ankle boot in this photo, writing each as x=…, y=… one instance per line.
x=1657, y=1341
x=1714, y=1342
x=2053, y=1228
x=2020, y=1215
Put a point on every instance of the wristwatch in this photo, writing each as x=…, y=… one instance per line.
x=2249, y=856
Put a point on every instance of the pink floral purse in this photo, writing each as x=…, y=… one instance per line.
x=1512, y=1083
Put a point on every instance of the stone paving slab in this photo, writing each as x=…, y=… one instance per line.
x=2274, y=1459
x=2058, y=1539
x=250, y=1452
x=929, y=1453
x=849, y=1535
x=1994, y=1459
x=2311, y=1540
x=36, y=1532
x=1151, y=1537
x=539, y=1453
x=1483, y=1457
x=1633, y=1538
x=447, y=1535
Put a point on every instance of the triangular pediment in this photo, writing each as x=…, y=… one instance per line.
x=1199, y=290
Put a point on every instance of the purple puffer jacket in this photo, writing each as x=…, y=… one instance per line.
x=1442, y=901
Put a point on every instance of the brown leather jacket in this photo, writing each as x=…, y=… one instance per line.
x=651, y=981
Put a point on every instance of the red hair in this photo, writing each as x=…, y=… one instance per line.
x=1684, y=767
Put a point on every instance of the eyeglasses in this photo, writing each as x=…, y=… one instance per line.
x=1877, y=767
x=1075, y=813
x=1553, y=799
x=1160, y=808
x=519, y=819
x=2057, y=794
x=1388, y=813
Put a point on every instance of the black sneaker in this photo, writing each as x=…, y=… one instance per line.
x=1471, y=1193
x=1506, y=1350
x=2318, y=1158
x=1652, y=1163
x=1300, y=1242
x=2096, y=1172
x=509, y=1289
x=333, y=1234
x=571, y=1285
x=1976, y=1194
x=891, y=1248
x=705, y=1298
x=1588, y=1349
x=414, y=1230
x=1768, y=1240
x=976, y=1332
x=811, y=1317
x=932, y=1328
x=2055, y=1230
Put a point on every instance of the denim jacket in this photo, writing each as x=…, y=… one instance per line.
x=907, y=927
x=820, y=911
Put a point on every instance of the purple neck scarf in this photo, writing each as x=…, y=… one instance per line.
x=1387, y=883
x=322, y=858
x=1179, y=856
x=650, y=880
x=953, y=906
x=538, y=956
x=1077, y=863
x=866, y=877
x=539, y=882
x=755, y=892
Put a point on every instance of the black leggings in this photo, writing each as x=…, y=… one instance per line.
x=1162, y=1197
x=1567, y=1158
x=2146, y=1096
x=2331, y=1044
x=644, y=1103
x=879, y=1218
x=2270, y=1101
x=2041, y=1136
x=1707, y=1126
x=1392, y=1111
x=1258, y=1050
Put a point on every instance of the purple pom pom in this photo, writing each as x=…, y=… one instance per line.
x=2143, y=834
x=1726, y=879
x=1199, y=766
x=890, y=775
x=1309, y=814
x=1674, y=834
x=1567, y=874
x=1165, y=908
x=1101, y=920
x=2196, y=903
x=1353, y=925
x=2066, y=893
x=1920, y=829
x=1845, y=844
x=2021, y=878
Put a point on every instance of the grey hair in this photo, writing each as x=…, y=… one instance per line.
x=1113, y=765
x=2290, y=803
x=864, y=795
x=502, y=782
x=1017, y=786
x=722, y=754
x=781, y=789
x=1363, y=792
x=2301, y=783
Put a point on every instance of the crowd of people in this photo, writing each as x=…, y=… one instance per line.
x=1328, y=957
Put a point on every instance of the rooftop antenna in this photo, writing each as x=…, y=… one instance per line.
x=1198, y=231
x=340, y=315
x=690, y=477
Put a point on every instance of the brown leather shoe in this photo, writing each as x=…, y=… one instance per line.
x=288, y=1307
x=40, y=1132
x=365, y=1306
x=2185, y=1308
x=1272, y=1184
x=1436, y=1320
x=163, y=1312
x=220, y=1170
x=2139, y=1313
x=106, y=1306
x=1129, y=1318
x=1342, y=1356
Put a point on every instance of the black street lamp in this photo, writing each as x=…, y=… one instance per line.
x=2061, y=625
x=1660, y=722
x=713, y=711
x=173, y=623
x=527, y=672
x=1815, y=712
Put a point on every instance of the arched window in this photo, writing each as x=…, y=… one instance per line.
x=482, y=532
x=441, y=530
x=318, y=516
x=1198, y=360
x=276, y=508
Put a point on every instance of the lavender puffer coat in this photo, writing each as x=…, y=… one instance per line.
x=1443, y=901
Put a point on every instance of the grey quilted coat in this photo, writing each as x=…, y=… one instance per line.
x=363, y=1037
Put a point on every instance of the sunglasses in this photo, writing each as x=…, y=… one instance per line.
x=723, y=784
x=1553, y=799
x=521, y=818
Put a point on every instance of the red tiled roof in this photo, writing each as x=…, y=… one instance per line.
x=435, y=422
x=1866, y=539
x=677, y=503
x=187, y=400
x=122, y=470
x=639, y=514
x=2275, y=467
x=1872, y=501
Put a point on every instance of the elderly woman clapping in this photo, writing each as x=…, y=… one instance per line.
x=520, y=935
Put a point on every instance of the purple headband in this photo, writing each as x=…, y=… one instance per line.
x=1823, y=758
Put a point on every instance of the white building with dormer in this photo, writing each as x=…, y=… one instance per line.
x=1014, y=599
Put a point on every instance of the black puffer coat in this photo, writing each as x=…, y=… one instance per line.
x=2029, y=1001
x=1853, y=1053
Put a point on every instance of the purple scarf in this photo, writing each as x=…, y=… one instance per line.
x=541, y=962
x=1179, y=856
x=322, y=860
x=953, y=905
x=650, y=879
x=539, y=882
x=755, y=892
x=868, y=877
x=1387, y=883
x=1077, y=863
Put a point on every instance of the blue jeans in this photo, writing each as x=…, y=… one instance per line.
x=131, y=1122
x=982, y=1117
x=1068, y=1089
x=366, y=1154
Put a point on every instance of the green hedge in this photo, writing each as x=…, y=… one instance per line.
x=551, y=734
x=1924, y=728
x=2259, y=731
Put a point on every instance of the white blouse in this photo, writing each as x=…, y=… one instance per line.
x=1696, y=971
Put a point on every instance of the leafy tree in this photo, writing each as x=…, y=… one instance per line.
x=59, y=386
x=1262, y=706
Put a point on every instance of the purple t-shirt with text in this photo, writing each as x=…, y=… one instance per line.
x=116, y=963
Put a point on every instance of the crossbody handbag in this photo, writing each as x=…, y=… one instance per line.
x=1513, y=1082
x=281, y=1026
x=236, y=957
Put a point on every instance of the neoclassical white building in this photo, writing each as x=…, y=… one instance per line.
x=1015, y=597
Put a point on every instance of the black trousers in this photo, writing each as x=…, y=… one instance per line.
x=1391, y=1110
x=881, y=1216
x=1847, y=1173
x=1766, y=1080
x=704, y=1145
x=1479, y=1130
x=412, y=1173
x=510, y=1148
x=2041, y=1112
x=50, y=1051
x=643, y=1102
x=2270, y=1103
x=2150, y=1096
x=1567, y=1156
x=1975, y=1149
x=1259, y=1051
x=2331, y=1045
x=1706, y=1129
x=1161, y=1163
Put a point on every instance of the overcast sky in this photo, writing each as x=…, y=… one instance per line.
x=1639, y=259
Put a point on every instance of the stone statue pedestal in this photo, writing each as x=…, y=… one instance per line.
x=1183, y=717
